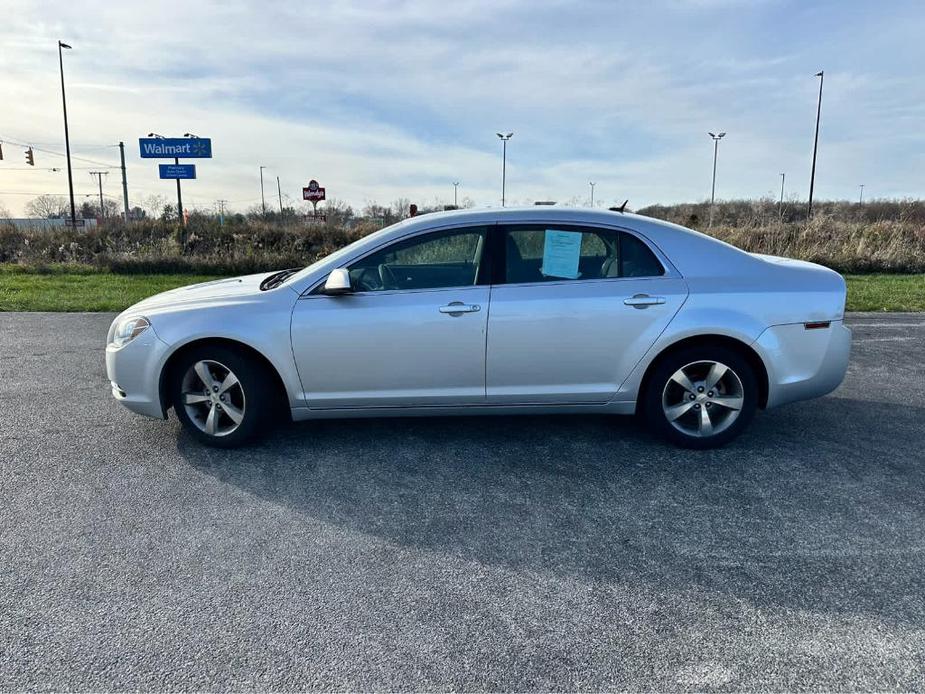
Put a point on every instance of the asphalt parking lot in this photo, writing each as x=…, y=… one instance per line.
x=495, y=553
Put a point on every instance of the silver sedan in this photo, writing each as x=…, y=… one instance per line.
x=505, y=311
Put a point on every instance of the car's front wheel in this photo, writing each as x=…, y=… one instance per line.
x=701, y=397
x=221, y=397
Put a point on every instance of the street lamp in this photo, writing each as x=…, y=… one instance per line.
x=812, y=176
x=504, y=138
x=455, y=193
x=263, y=201
x=67, y=138
x=780, y=207
x=716, y=139
x=592, y=184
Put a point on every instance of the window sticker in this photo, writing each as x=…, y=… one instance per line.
x=561, y=251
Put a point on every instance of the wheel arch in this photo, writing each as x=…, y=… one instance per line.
x=253, y=353
x=711, y=340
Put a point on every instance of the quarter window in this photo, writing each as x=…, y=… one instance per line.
x=430, y=261
x=552, y=253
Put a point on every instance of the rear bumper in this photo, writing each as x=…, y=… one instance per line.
x=134, y=373
x=804, y=364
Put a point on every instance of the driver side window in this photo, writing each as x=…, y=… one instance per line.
x=430, y=261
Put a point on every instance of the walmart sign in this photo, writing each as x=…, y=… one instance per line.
x=176, y=147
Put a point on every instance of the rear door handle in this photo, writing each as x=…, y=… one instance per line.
x=643, y=300
x=457, y=308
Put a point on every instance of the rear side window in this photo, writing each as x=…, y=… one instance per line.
x=553, y=253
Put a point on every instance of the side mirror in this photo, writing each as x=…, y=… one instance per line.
x=338, y=282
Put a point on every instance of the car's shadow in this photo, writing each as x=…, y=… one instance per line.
x=807, y=510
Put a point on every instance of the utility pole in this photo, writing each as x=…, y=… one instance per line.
x=221, y=212
x=592, y=184
x=263, y=201
x=99, y=175
x=67, y=138
x=280, y=193
x=455, y=193
x=812, y=175
x=783, y=176
x=504, y=138
x=124, y=181
x=861, y=196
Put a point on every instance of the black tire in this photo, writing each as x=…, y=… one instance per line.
x=257, y=397
x=694, y=359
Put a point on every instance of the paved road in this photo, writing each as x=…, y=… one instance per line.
x=504, y=553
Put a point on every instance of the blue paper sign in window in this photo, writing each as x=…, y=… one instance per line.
x=561, y=252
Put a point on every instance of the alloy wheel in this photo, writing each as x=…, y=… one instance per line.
x=703, y=398
x=213, y=397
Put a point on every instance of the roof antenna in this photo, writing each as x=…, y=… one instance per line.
x=621, y=208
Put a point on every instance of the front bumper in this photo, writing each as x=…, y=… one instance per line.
x=134, y=373
x=804, y=364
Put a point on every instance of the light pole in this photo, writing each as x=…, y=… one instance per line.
x=812, y=175
x=455, y=193
x=592, y=184
x=263, y=201
x=67, y=138
x=861, y=195
x=504, y=138
x=716, y=139
x=176, y=162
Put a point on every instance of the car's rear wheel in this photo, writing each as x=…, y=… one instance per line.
x=221, y=397
x=701, y=397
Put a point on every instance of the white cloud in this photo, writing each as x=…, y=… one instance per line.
x=398, y=99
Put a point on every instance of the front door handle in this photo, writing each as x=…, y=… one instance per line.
x=643, y=300
x=457, y=308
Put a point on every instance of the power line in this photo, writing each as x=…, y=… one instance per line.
x=58, y=154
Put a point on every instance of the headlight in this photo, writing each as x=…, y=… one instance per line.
x=128, y=329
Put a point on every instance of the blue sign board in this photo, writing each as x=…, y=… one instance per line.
x=177, y=170
x=175, y=147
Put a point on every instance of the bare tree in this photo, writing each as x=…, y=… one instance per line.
x=153, y=205
x=401, y=208
x=4, y=212
x=47, y=207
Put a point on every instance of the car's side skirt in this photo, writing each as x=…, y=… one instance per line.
x=303, y=413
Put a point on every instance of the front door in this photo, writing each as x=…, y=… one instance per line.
x=411, y=333
x=573, y=311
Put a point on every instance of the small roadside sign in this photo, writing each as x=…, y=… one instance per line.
x=177, y=170
x=313, y=192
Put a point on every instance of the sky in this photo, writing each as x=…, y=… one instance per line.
x=399, y=99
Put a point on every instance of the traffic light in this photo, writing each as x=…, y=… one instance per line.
x=30, y=159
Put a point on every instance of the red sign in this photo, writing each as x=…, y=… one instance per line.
x=313, y=192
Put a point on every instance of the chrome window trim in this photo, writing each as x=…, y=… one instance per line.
x=671, y=272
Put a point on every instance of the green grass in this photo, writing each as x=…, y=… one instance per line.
x=70, y=289
x=76, y=288
x=886, y=292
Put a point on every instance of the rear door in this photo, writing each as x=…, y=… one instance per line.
x=573, y=310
